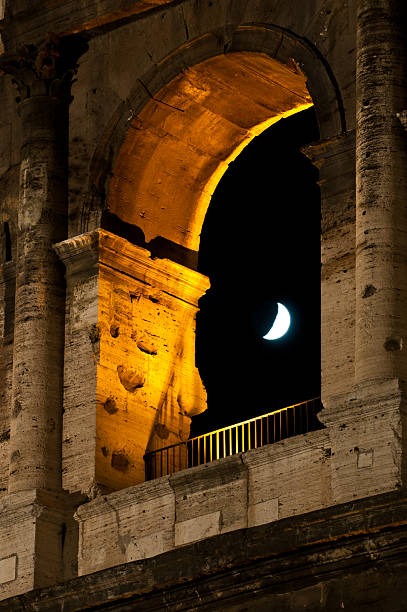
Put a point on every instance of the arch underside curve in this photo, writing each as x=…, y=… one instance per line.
x=192, y=114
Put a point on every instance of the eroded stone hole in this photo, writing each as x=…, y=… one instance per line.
x=393, y=344
x=369, y=291
x=120, y=462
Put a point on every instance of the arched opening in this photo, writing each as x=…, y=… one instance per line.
x=260, y=243
x=176, y=150
x=181, y=143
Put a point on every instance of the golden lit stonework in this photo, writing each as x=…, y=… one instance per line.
x=136, y=387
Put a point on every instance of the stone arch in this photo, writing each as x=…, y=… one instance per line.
x=163, y=155
x=271, y=48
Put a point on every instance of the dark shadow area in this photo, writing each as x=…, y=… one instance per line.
x=159, y=247
x=260, y=245
x=9, y=278
x=9, y=274
x=8, y=256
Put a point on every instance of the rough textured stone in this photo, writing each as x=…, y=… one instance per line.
x=166, y=94
x=153, y=303
x=284, y=479
x=381, y=220
x=325, y=560
x=35, y=525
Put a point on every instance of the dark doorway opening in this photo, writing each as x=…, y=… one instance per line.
x=8, y=256
x=260, y=245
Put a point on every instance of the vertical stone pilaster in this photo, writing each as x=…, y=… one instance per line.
x=364, y=421
x=43, y=76
x=367, y=420
x=335, y=159
x=381, y=194
x=82, y=349
x=131, y=384
x=36, y=514
x=38, y=344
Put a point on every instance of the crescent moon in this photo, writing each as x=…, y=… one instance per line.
x=280, y=325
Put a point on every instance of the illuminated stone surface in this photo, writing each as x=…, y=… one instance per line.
x=168, y=93
x=131, y=328
x=181, y=145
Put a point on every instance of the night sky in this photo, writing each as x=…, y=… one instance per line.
x=260, y=245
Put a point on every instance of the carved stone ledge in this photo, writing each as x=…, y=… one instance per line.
x=80, y=253
x=318, y=152
x=365, y=401
x=87, y=251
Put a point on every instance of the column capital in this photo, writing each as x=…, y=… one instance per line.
x=79, y=253
x=321, y=151
x=46, y=69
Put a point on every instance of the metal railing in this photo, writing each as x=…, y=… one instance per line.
x=241, y=437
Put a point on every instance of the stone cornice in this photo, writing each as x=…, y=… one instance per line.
x=18, y=506
x=320, y=152
x=138, y=494
x=79, y=254
x=367, y=400
x=87, y=251
x=164, y=274
x=30, y=20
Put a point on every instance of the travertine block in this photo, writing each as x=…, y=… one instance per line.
x=367, y=441
x=296, y=472
x=220, y=486
x=8, y=568
x=262, y=513
x=198, y=528
x=132, y=524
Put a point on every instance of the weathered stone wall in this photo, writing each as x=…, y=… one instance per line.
x=31, y=525
x=253, y=488
x=131, y=384
x=352, y=557
x=130, y=58
x=113, y=344
x=358, y=455
x=158, y=47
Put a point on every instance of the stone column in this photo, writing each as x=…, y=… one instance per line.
x=381, y=195
x=43, y=77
